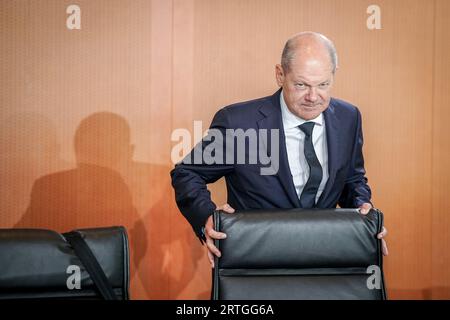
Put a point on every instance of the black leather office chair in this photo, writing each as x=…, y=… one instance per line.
x=82, y=264
x=299, y=254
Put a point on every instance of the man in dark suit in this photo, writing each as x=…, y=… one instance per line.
x=313, y=143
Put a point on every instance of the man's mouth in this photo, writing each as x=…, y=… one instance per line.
x=308, y=106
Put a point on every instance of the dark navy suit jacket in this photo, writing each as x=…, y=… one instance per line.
x=248, y=189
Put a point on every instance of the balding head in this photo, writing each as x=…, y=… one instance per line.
x=309, y=45
x=306, y=74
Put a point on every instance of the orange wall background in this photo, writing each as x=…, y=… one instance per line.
x=87, y=115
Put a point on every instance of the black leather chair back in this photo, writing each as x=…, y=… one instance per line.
x=299, y=254
x=39, y=264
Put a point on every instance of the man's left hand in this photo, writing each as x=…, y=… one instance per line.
x=364, y=209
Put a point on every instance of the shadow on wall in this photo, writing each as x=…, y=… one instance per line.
x=108, y=188
x=174, y=257
x=93, y=194
x=29, y=148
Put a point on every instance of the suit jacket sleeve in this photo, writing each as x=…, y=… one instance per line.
x=356, y=190
x=195, y=171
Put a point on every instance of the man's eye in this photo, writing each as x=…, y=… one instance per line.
x=324, y=85
x=301, y=85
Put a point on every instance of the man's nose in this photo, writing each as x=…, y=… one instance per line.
x=312, y=94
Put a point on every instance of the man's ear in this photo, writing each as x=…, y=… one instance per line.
x=279, y=75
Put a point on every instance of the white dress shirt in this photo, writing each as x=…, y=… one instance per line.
x=295, y=140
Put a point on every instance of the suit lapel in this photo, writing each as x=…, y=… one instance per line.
x=271, y=119
x=333, y=146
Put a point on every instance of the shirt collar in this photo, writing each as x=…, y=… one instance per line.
x=290, y=120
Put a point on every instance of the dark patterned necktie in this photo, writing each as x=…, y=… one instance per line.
x=308, y=196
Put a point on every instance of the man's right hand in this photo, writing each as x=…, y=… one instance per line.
x=212, y=234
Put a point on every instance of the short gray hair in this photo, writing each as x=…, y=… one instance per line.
x=290, y=46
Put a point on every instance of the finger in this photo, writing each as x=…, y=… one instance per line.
x=382, y=234
x=365, y=208
x=226, y=208
x=384, y=248
x=210, y=232
x=229, y=209
x=210, y=258
x=212, y=248
x=215, y=234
